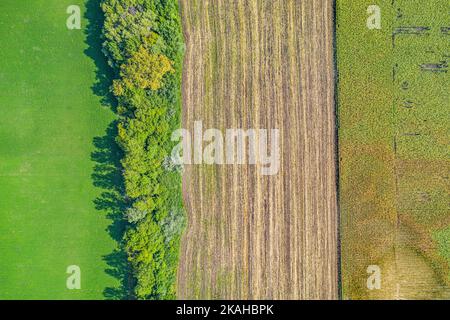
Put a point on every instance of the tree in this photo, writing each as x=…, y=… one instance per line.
x=144, y=70
x=144, y=45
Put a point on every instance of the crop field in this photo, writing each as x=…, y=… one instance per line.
x=53, y=155
x=261, y=64
x=340, y=109
x=393, y=147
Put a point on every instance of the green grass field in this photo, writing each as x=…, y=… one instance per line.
x=393, y=141
x=50, y=183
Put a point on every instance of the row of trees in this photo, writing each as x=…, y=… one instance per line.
x=144, y=45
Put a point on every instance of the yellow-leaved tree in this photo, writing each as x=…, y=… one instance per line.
x=143, y=70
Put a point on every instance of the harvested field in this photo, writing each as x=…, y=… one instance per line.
x=261, y=64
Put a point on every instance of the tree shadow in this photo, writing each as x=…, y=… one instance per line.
x=106, y=155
